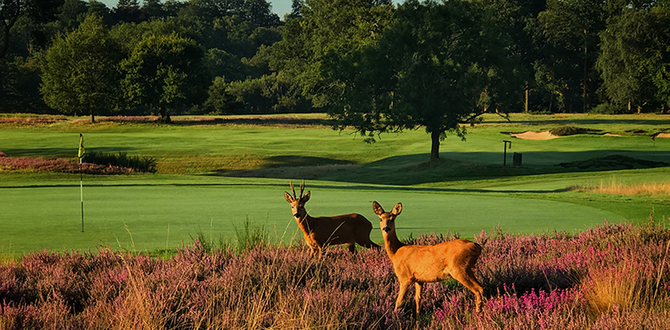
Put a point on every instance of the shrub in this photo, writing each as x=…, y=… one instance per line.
x=571, y=130
x=137, y=163
x=609, y=277
x=59, y=165
x=609, y=109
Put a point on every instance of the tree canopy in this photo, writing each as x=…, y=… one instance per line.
x=79, y=72
x=380, y=67
x=162, y=71
x=439, y=67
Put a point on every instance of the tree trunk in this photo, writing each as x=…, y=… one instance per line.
x=526, y=104
x=92, y=118
x=435, y=145
x=163, y=116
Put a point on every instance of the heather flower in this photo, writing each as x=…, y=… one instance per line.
x=546, y=281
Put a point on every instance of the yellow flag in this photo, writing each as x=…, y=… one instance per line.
x=81, y=145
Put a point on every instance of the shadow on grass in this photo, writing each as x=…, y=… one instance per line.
x=261, y=120
x=584, y=121
x=414, y=169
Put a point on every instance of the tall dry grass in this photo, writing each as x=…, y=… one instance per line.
x=596, y=279
x=617, y=187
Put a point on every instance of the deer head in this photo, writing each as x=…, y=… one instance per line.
x=298, y=202
x=387, y=219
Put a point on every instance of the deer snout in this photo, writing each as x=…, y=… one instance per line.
x=297, y=215
x=386, y=229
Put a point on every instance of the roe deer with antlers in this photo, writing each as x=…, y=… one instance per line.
x=320, y=232
x=421, y=264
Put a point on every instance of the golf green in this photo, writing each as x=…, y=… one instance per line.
x=145, y=217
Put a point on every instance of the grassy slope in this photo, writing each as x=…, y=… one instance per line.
x=467, y=191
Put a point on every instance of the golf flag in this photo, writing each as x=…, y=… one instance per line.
x=81, y=146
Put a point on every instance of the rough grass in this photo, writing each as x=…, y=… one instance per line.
x=615, y=187
x=603, y=278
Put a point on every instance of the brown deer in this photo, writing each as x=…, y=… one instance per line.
x=421, y=264
x=320, y=232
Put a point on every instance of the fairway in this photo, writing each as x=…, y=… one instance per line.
x=213, y=177
x=146, y=217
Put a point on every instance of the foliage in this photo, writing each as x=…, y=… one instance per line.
x=267, y=94
x=545, y=282
x=609, y=109
x=163, y=71
x=79, y=72
x=121, y=159
x=19, y=86
x=634, y=57
x=58, y=165
x=568, y=34
x=11, y=11
x=439, y=66
x=250, y=237
x=571, y=130
x=326, y=27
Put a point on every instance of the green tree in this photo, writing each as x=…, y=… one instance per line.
x=164, y=71
x=79, y=71
x=326, y=26
x=519, y=17
x=569, y=31
x=440, y=66
x=634, y=57
x=39, y=11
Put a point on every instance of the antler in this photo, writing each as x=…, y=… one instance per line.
x=302, y=188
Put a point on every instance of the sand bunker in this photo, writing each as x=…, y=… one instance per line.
x=612, y=134
x=665, y=135
x=530, y=135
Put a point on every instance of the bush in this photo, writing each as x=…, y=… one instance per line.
x=137, y=163
x=571, y=130
x=267, y=94
x=609, y=109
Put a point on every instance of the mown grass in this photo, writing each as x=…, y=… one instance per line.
x=229, y=168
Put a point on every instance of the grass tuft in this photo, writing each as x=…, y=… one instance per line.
x=653, y=189
x=137, y=163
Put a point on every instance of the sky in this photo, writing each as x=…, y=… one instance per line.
x=279, y=7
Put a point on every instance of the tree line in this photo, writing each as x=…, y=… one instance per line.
x=369, y=63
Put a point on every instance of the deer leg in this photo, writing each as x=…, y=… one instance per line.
x=368, y=243
x=352, y=247
x=316, y=249
x=468, y=279
x=417, y=296
x=401, y=293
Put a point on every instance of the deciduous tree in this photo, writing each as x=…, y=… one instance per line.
x=79, y=71
x=440, y=66
x=164, y=71
x=634, y=59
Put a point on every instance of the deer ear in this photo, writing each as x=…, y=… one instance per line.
x=306, y=197
x=397, y=209
x=377, y=208
x=288, y=197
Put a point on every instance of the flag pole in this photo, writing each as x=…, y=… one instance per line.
x=81, y=189
x=80, y=154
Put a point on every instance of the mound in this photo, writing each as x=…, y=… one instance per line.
x=613, y=162
x=530, y=135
